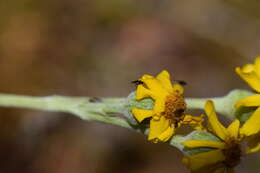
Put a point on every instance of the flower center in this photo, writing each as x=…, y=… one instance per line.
x=232, y=153
x=174, y=108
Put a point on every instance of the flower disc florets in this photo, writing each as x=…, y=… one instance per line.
x=232, y=152
x=174, y=108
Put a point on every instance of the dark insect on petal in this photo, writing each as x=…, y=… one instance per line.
x=137, y=82
x=181, y=82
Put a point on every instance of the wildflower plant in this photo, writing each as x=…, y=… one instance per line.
x=158, y=107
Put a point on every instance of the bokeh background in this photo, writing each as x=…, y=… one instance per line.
x=95, y=48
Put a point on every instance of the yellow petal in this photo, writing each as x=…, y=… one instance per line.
x=167, y=134
x=253, y=100
x=178, y=88
x=146, y=76
x=253, y=144
x=233, y=129
x=141, y=114
x=155, y=86
x=252, y=125
x=158, y=127
x=164, y=78
x=159, y=105
x=194, y=121
x=257, y=65
x=217, y=127
x=142, y=92
x=204, y=143
x=248, y=74
x=198, y=161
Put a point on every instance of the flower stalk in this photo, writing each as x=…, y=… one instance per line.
x=104, y=109
x=224, y=105
x=82, y=107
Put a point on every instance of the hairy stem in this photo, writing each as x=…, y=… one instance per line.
x=224, y=105
x=82, y=107
x=104, y=110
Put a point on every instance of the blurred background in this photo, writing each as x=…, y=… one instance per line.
x=95, y=48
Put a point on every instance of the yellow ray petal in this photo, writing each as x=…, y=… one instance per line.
x=248, y=74
x=198, y=161
x=217, y=127
x=164, y=78
x=233, y=128
x=253, y=100
x=167, y=134
x=146, y=76
x=178, y=88
x=194, y=121
x=257, y=65
x=141, y=114
x=253, y=144
x=252, y=125
x=155, y=86
x=142, y=92
x=159, y=106
x=204, y=143
x=158, y=127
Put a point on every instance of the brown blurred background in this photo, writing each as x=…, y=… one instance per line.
x=95, y=48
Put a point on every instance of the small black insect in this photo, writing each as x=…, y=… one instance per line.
x=137, y=82
x=181, y=82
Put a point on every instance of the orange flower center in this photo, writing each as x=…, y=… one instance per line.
x=232, y=153
x=174, y=108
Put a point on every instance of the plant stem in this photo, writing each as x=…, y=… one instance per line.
x=224, y=105
x=79, y=106
x=103, y=110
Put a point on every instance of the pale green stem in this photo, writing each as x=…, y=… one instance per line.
x=79, y=106
x=104, y=109
x=224, y=105
x=219, y=102
x=101, y=110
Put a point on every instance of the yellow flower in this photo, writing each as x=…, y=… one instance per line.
x=225, y=154
x=168, y=110
x=251, y=74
